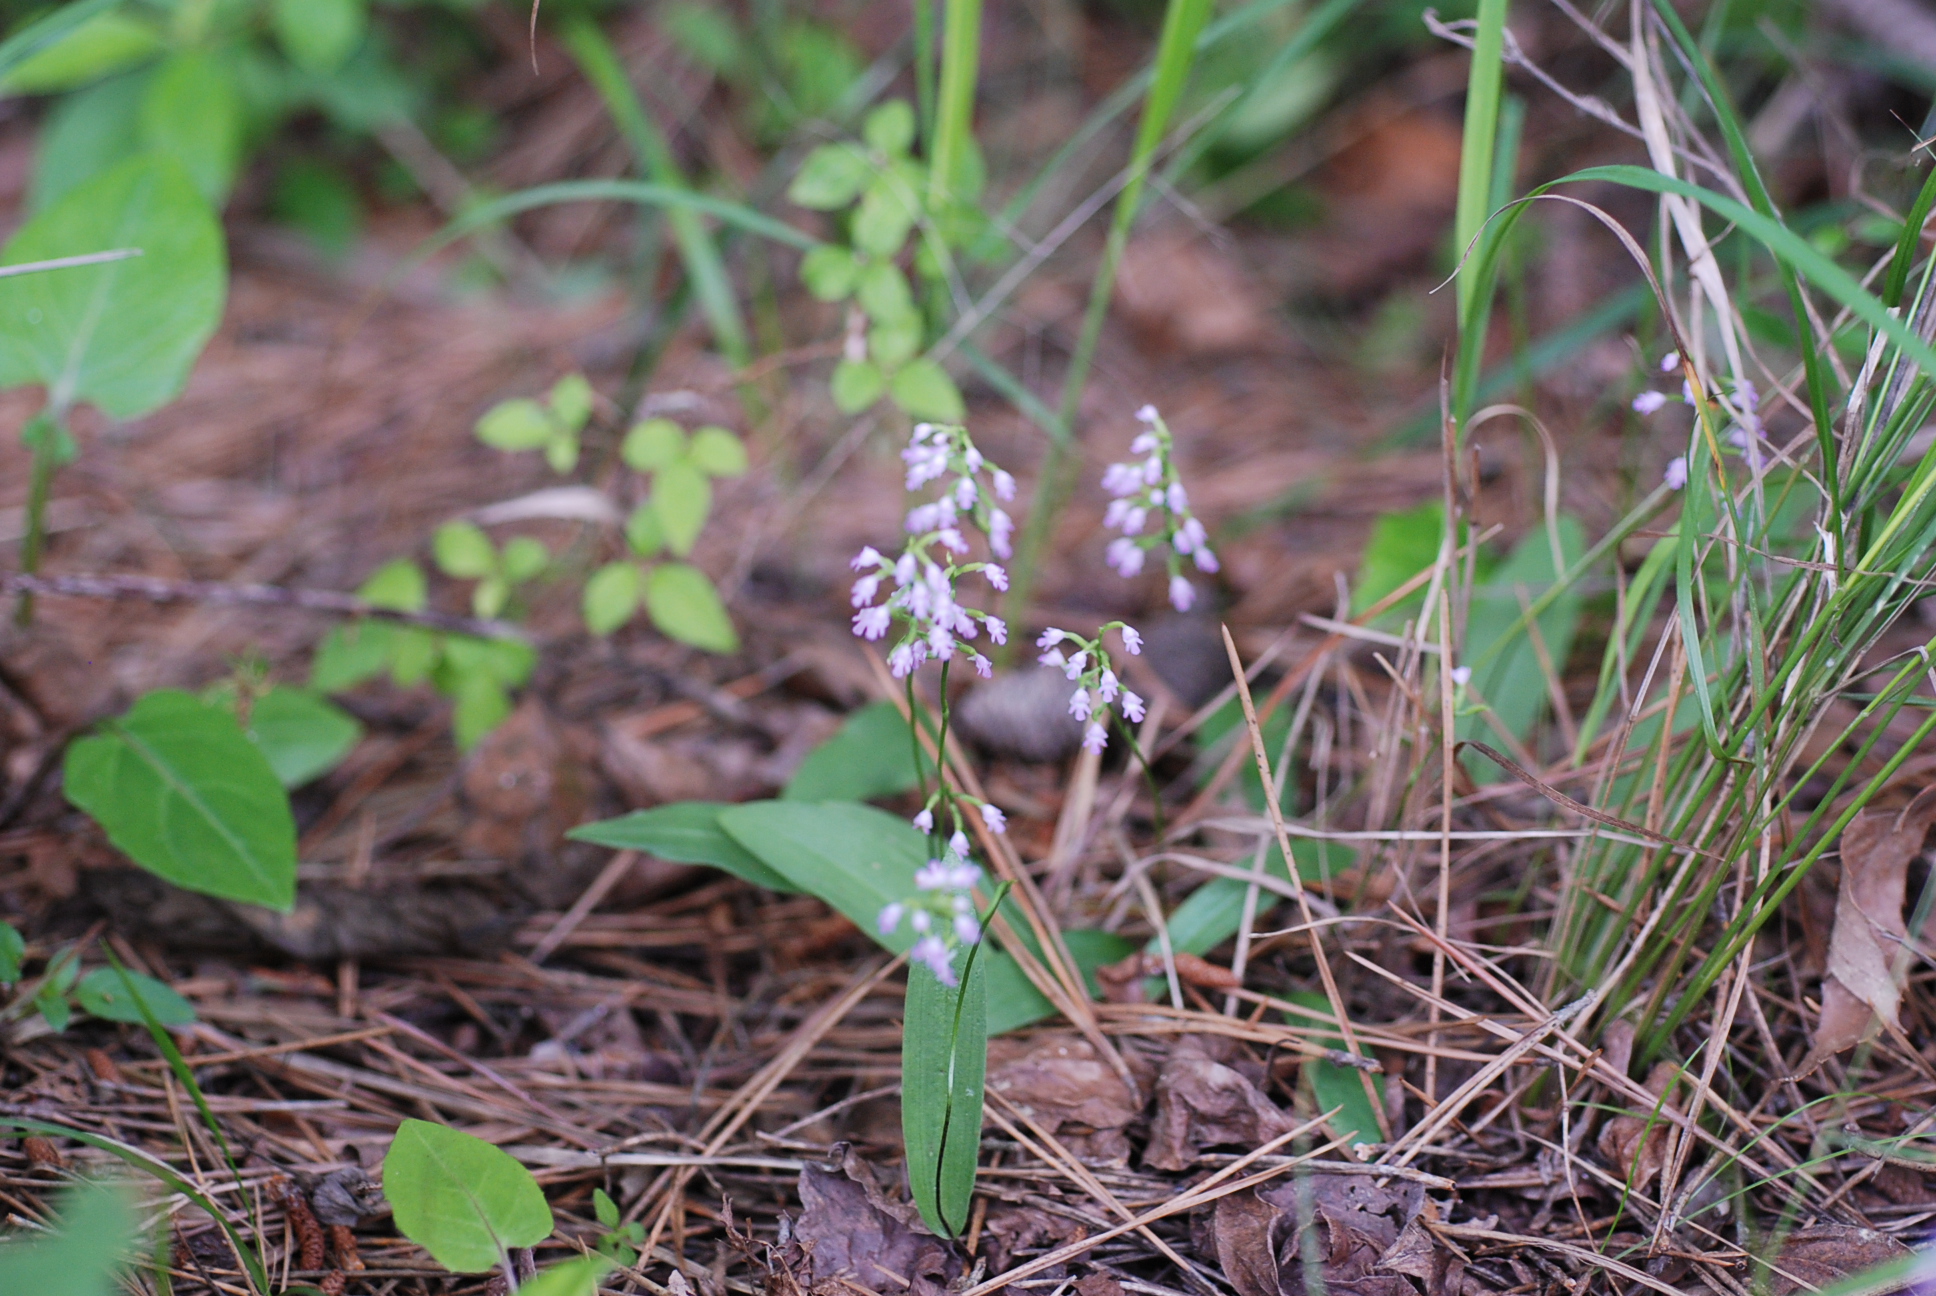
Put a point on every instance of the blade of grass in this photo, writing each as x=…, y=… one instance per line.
x=704, y=266
x=1481, y=133
x=954, y=139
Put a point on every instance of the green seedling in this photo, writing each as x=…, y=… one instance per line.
x=552, y=427
x=463, y=551
x=620, y=1242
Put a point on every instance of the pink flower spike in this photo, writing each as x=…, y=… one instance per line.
x=1079, y=704
x=1053, y=657
x=1095, y=737
x=1075, y=666
x=1050, y=638
x=1132, y=707
x=1132, y=642
x=959, y=844
x=1181, y=594
x=1004, y=485
x=1125, y=556
x=1147, y=414
x=865, y=589
x=992, y=816
x=1108, y=686
x=1676, y=475
x=871, y=623
x=932, y=953
x=869, y=556
x=997, y=629
x=1205, y=560
x=901, y=661
x=1649, y=401
x=891, y=918
x=997, y=575
x=1670, y=362
x=967, y=930
x=925, y=821
x=984, y=667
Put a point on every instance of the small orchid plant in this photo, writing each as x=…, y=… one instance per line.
x=1745, y=433
x=924, y=614
x=1152, y=508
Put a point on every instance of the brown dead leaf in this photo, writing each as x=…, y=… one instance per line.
x=1369, y=1239
x=1866, y=963
x=1058, y=1081
x=1202, y=1102
x=1826, y=1254
x=1635, y=1146
x=1011, y=1230
x=1099, y=1284
x=851, y=1229
x=522, y=788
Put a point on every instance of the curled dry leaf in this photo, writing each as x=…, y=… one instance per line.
x=1203, y=1102
x=1867, y=965
x=1636, y=1145
x=1012, y=1231
x=851, y=1229
x=1365, y=1237
x=1057, y=1081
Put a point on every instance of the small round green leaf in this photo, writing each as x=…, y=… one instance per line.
x=884, y=292
x=685, y=606
x=414, y=653
x=479, y=705
x=829, y=272
x=893, y=342
x=681, y=499
x=464, y=551
x=887, y=212
x=193, y=112
x=461, y=1199
x=318, y=35
x=561, y=452
x=490, y=596
x=398, y=585
x=890, y=128
x=924, y=390
x=303, y=735
x=857, y=384
x=572, y=1278
x=505, y=660
x=652, y=445
x=831, y=177
x=611, y=597
x=13, y=948
x=350, y=654
x=515, y=425
x=103, y=993
x=717, y=452
x=524, y=557
x=571, y=401
x=99, y=47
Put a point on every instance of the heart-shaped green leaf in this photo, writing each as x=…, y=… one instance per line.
x=685, y=606
x=106, y=995
x=461, y=1199
x=303, y=734
x=611, y=597
x=681, y=499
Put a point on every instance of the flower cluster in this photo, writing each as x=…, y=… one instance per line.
x=1151, y=508
x=1097, y=688
x=1745, y=431
x=941, y=913
x=926, y=575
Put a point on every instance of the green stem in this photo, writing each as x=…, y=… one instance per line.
x=924, y=70
x=47, y=436
x=954, y=124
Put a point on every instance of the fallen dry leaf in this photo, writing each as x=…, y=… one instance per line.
x=1057, y=1081
x=1011, y=1230
x=851, y=1229
x=1635, y=1146
x=1369, y=1239
x=1866, y=963
x=1202, y=1102
x=1826, y=1254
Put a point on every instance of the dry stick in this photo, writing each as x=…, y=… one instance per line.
x=154, y=589
x=607, y=878
x=1059, y=982
x=1345, y=1028
x=1209, y=1190
x=1448, y=769
x=725, y=1122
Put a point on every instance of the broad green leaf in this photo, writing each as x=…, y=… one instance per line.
x=318, y=35
x=642, y=531
x=1506, y=669
x=414, y=655
x=1333, y=1085
x=883, y=291
x=611, y=597
x=856, y=385
x=944, y=1060
x=53, y=1007
x=1215, y=910
x=871, y=756
x=350, y=654
x=685, y=832
x=890, y=128
x=86, y=133
x=893, y=342
x=515, y=425
x=102, y=46
x=82, y=1255
x=561, y=452
x=829, y=272
x=303, y=734
x=572, y=1278
x=886, y=215
x=507, y=661
x=832, y=176
x=571, y=401
x=103, y=993
x=398, y=585
x=125, y=333
x=685, y=606
x=13, y=949
x=924, y=390
x=1401, y=546
x=854, y=857
x=604, y=1208
x=461, y=1199
x=192, y=112
x=1013, y=1000
x=180, y=789
x=653, y=445
x=705, y=35
x=490, y=596
x=523, y=558
x=681, y=499
x=479, y=705
x=717, y=452
x=464, y=551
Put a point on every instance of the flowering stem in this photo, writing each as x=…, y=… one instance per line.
x=914, y=741
x=1149, y=775
x=941, y=749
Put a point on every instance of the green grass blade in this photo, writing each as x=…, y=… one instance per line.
x=1481, y=133
x=704, y=266
x=954, y=139
x=1912, y=233
x=53, y=28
